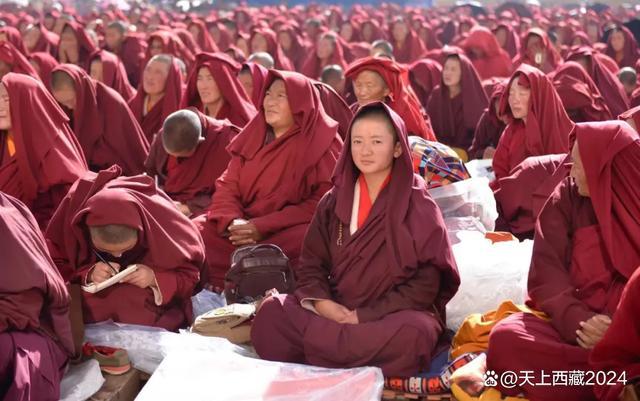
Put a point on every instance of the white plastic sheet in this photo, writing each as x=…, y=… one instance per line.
x=470, y=198
x=489, y=273
x=147, y=346
x=81, y=381
x=481, y=168
x=224, y=376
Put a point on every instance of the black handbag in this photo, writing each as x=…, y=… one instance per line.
x=256, y=269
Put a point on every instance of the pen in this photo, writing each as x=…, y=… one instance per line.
x=105, y=262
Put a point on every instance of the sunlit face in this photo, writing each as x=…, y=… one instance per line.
x=259, y=44
x=346, y=32
x=285, y=40
x=325, y=48
x=519, y=97
x=113, y=38
x=577, y=172
x=452, y=72
x=156, y=47
x=5, y=114
x=5, y=68
x=400, y=31
x=31, y=37
x=501, y=35
x=246, y=80
x=116, y=250
x=370, y=87
x=277, y=111
x=154, y=77
x=617, y=41
x=66, y=96
x=68, y=40
x=95, y=70
x=373, y=145
x=207, y=87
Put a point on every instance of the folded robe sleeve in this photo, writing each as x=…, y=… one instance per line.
x=550, y=285
x=177, y=283
x=226, y=204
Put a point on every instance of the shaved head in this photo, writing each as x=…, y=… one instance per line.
x=181, y=133
x=113, y=233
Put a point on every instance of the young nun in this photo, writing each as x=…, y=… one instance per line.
x=129, y=47
x=106, y=224
x=622, y=47
x=101, y=120
x=40, y=157
x=158, y=94
x=378, y=79
x=35, y=329
x=214, y=89
x=189, y=156
x=489, y=128
x=75, y=45
x=456, y=105
x=252, y=77
x=586, y=247
x=281, y=164
x=537, y=50
x=538, y=124
x=11, y=60
x=376, y=269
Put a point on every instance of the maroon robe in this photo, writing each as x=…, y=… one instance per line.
x=114, y=74
x=104, y=125
x=18, y=62
x=396, y=271
x=281, y=61
x=619, y=350
x=297, y=54
x=237, y=107
x=580, y=95
x=85, y=45
x=191, y=180
x=522, y=194
x=47, y=41
x=46, y=63
x=132, y=52
x=168, y=243
x=454, y=120
x=490, y=127
x=35, y=329
x=313, y=66
x=151, y=121
x=552, y=58
x=547, y=127
x=276, y=185
x=424, y=76
x=336, y=107
x=203, y=38
x=15, y=38
x=258, y=75
x=172, y=45
x=512, y=45
x=606, y=81
x=484, y=51
x=411, y=50
x=48, y=157
x=629, y=51
x=585, y=250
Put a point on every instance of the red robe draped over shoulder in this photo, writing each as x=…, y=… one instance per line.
x=276, y=185
x=35, y=329
x=168, y=243
x=191, y=180
x=237, y=107
x=545, y=131
x=114, y=74
x=47, y=157
x=104, y=125
x=585, y=250
x=396, y=271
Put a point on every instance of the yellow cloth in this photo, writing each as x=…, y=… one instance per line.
x=473, y=335
x=462, y=154
x=11, y=145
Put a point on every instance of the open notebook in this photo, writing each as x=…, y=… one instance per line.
x=93, y=288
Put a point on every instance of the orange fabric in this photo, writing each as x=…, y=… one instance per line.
x=11, y=145
x=364, y=207
x=473, y=334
